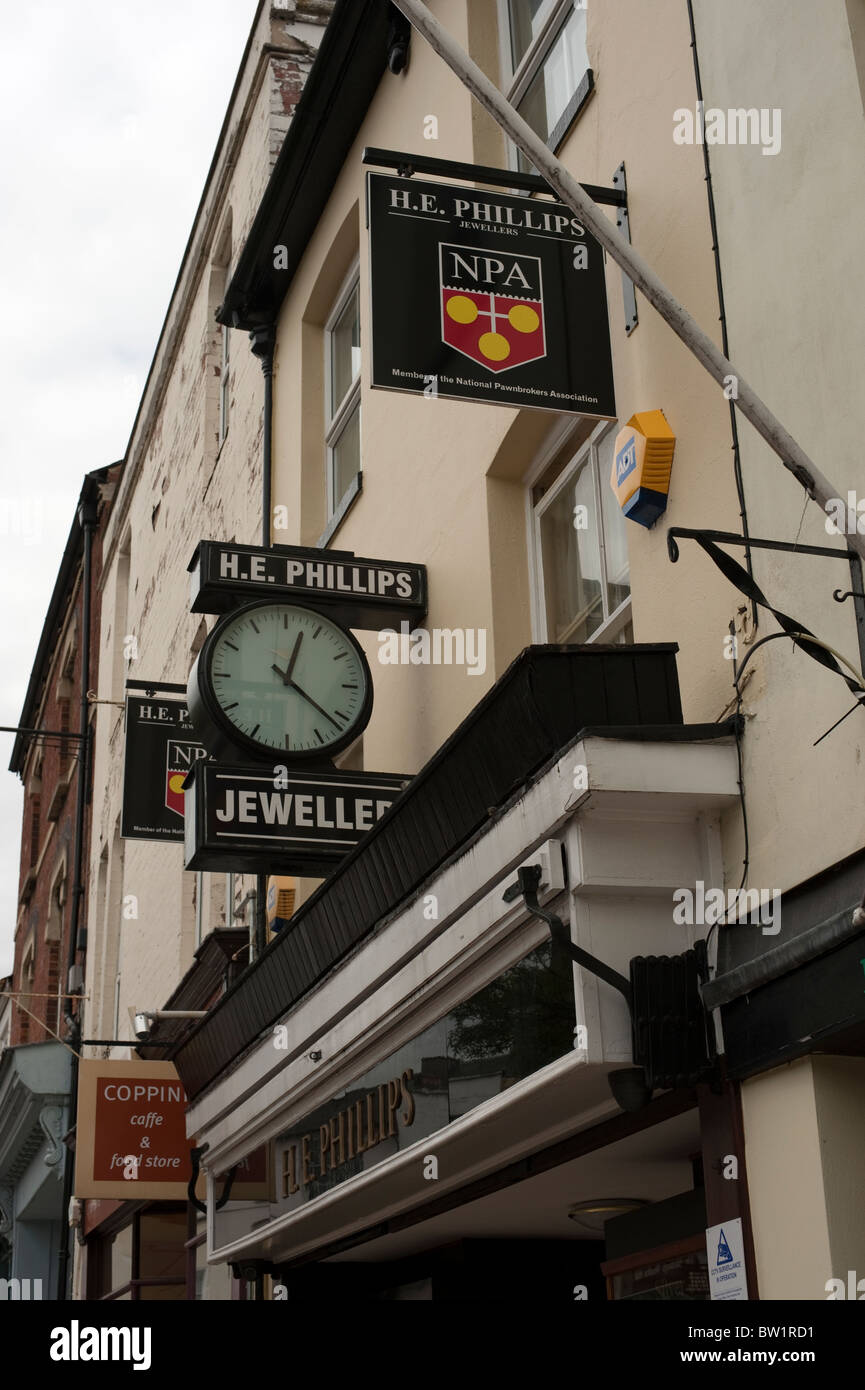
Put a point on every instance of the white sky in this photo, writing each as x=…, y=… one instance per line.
x=109, y=116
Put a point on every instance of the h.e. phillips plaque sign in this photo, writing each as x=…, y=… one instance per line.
x=360, y=593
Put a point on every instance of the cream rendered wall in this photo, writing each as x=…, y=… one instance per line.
x=790, y=235
x=805, y=1154
x=176, y=489
x=443, y=480
x=785, y=1183
x=840, y=1094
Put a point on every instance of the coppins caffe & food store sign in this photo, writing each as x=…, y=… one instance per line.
x=487, y=297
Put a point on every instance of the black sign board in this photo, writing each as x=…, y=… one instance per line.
x=359, y=593
x=272, y=820
x=487, y=296
x=161, y=748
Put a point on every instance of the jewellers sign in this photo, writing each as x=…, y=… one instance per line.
x=160, y=750
x=487, y=297
x=268, y=819
x=359, y=593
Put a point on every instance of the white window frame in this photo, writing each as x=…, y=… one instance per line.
x=557, y=440
x=336, y=422
x=516, y=81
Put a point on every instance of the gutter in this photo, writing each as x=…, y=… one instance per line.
x=781, y=960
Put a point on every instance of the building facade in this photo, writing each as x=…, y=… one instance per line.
x=441, y=1098
x=42, y=1005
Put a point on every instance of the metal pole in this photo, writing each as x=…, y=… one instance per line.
x=791, y=454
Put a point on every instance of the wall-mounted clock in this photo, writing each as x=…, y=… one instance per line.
x=279, y=678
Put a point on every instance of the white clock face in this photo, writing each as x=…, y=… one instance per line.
x=289, y=679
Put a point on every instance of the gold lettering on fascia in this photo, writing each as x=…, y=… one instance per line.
x=349, y=1133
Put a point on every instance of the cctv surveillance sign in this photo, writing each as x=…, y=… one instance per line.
x=487, y=297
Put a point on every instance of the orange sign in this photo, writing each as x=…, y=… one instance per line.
x=131, y=1136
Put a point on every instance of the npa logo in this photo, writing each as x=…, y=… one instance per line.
x=179, y=759
x=492, y=306
x=626, y=459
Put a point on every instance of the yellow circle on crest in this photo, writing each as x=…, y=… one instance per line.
x=494, y=346
x=461, y=309
x=523, y=318
x=176, y=780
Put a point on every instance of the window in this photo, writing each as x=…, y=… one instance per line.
x=146, y=1259
x=579, y=544
x=35, y=809
x=544, y=52
x=342, y=395
x=224, y=385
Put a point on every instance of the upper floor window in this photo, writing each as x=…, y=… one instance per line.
x=546, y=65
x=224, y=385
x=580, y=545
x=342, y=393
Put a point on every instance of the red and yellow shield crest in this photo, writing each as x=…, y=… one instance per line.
x=492, y=306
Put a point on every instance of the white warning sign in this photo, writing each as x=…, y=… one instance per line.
x=725, y=1251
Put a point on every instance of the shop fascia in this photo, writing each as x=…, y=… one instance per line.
x=652, y=806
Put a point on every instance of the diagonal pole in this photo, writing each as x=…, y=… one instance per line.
x=754, y=409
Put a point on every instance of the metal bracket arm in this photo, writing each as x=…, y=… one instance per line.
x=195, y=1155
x=526, y=887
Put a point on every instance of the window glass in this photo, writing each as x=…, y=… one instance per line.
x=162, y=1254
x=558, y=77
x=527, y=18
x=346, y=457
x=344, y=351
x=615, y=530
x=582, y=547
x=121, y=1258
x=572, y=563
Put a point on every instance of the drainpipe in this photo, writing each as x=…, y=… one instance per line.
x=263, y=342
x=87, y=519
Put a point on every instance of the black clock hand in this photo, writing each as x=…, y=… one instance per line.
x=284, y=674
x=291, y=663
x=314, y=705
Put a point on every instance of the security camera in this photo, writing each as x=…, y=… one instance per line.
x=141, y=1027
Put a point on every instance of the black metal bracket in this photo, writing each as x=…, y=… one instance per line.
x=151, y=687
x=398, y=40
x=671, y=1039
x=195, y=1156
x=629, y=289
x=856, y=592
x=409, y=164
x=526, y=887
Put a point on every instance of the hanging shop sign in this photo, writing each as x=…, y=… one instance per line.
x=272, y=819
x=131, y=1133
x=487, y=296
x=365, y=594
x=642, y=464
x=160, y=748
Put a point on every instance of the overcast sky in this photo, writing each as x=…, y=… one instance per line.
x=109, y=115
